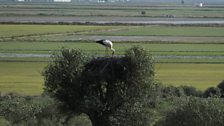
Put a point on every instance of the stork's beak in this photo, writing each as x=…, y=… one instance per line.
x=98, y=41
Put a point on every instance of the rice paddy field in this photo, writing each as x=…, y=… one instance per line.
x=110, y=13
x=29, y=30
x=110, y=10
x=9, y=30
x=71, y=33
x=23, y=59
x=191, y=54
x=194, y=56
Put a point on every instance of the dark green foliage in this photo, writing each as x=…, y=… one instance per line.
x=221, y=87
x=171, y=91
x=62, y=77
x=135, y=111
x=36, y=111
x=132, y=114
x=211, y=92
x=23, y=110
x=192, y=111
x=108, y=90
x=191, y=91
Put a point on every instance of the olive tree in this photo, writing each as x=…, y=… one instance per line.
x=193, y=111
x=28, y=110
x=109, y=90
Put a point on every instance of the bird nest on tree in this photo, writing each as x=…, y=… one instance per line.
x=107, y=68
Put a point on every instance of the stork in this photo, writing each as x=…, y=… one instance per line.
x=107, y=44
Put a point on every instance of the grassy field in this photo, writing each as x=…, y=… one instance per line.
x=171, y=53
x=21, y=77
x=27, y=30
x=71, y=33
x=7, y=30
x=25, y=77
x=94, y=48
x=168, y=31
x=200, y=76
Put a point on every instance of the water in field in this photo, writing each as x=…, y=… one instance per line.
x=113, y=19
x=16, y=55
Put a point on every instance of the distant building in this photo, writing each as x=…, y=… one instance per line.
x=34, y=1
x=62, y=0
x=101, y=1
x=24, y=0
x=199, y=4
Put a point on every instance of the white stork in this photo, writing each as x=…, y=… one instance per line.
x=107, y=44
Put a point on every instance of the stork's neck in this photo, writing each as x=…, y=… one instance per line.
x=113, y=49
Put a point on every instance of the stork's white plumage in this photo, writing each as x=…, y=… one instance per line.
x=107, y=44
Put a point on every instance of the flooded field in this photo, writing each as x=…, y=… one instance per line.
x=110, y=20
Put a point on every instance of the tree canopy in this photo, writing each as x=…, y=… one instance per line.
x=104, y=88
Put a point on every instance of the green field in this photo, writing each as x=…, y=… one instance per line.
x=200, y=76
x=174, y=53
x=94, y=48
x=35, y=30
x=72, y=33
x=168, y=31
x=28, y=30
x=21, y=77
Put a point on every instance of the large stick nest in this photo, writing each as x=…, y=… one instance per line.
x=105, y=68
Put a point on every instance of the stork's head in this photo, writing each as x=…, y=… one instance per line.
x=99, y=41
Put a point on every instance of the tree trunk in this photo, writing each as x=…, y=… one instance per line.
x=98, y=119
